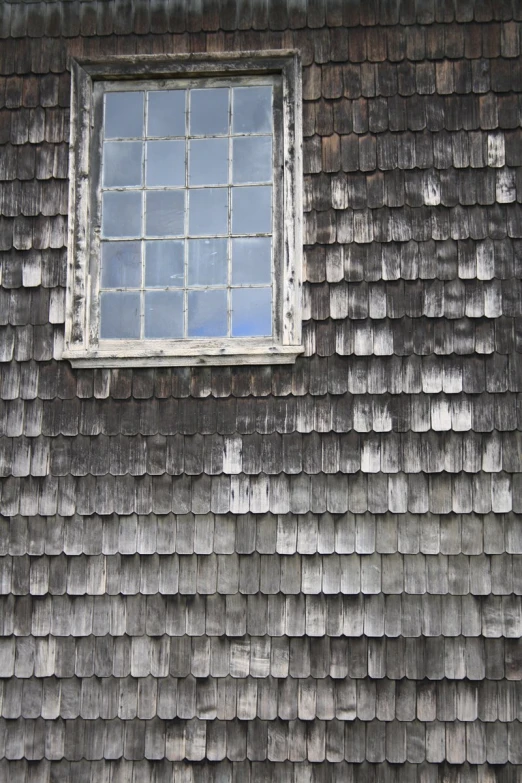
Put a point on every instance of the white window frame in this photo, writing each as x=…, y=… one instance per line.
x=83, y=347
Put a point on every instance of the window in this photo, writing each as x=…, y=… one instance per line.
x=185, y=227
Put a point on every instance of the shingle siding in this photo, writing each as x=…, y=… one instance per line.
x=297, y=573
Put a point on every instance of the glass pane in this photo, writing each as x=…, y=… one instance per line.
x=166, y=113
x=123, y=115
x=252, y=110
x=209, y=111
x=164, y=213
x=119, y=315
x=121, y=265
x=251, y=210
x=163, y=314
x=208, y=211
x=121, y=214
x=164, y=264
x=208, y=162
x=122, y=164
x=251, y=312
x=207, y=313
x=252, y=159
x=207, y=263
x=251, y=260
x=165, y=163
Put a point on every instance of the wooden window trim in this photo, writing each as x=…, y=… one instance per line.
x=82, y=347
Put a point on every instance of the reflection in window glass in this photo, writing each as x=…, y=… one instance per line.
x=123, y=115
x=166, y=113
x=252, y=110
x=122, y=164
x=252, y=159
x=208, y=162
x=121, y=214
x=251, y=260
x=121, y=265
x=119, y=315
x=209, y=112
x=208, y=211
x=163, y=314
x=207, y=262
x=207, y=313
x=165, y=163
x=187, y=213
x=251, y=312
x=164, y=264
x=164, y=213
x=251, y=210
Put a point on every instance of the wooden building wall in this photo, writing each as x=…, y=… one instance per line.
x=293, y=574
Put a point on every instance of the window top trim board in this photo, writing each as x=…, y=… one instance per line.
x=162, y=66
x=82, y=345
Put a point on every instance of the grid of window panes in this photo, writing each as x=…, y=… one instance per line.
x=186, y=234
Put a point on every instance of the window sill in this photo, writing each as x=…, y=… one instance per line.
x=197, y=353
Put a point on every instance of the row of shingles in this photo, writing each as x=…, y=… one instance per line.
x=444, y=77
x=307, y=534
x=392, y=45
x=439, y=493
x=402, y=149
x=124, y=771
x=417, y=113
x=259, y=740
x=493, y=341
x=34, y=126
x=271, y=454
x=444, y=259
x=267, y=698
x=497, y=372
x=31, y=91
x=277, y=399
x=27, y=162
x=289, y=659
x=33, y=198
x=393, y=188
x=379, y=412
x=143, y=617
x=328, y=81
x=250, y=574
x=421, y=336
x=384, y=224
x=141, y=17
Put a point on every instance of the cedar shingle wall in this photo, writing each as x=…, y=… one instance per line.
x=307, y=573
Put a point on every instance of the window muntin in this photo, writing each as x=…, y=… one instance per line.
x=187, y=205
